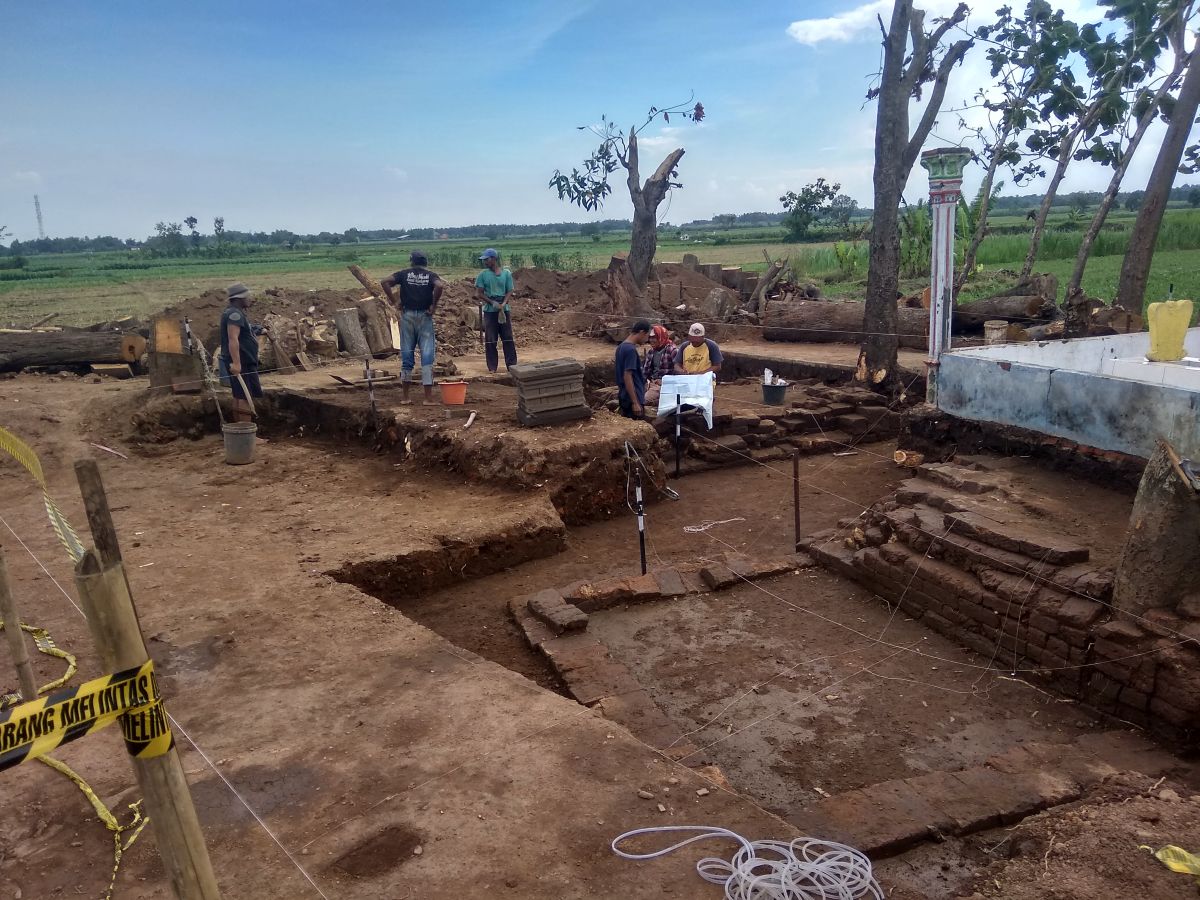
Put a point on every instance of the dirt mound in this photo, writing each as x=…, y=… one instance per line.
x=693, y=285
x=204, y=311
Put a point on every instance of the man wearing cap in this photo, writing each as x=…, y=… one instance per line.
x=631, y=381
x=494, y=289
x=660, y=361
x=239, y=351
x=699, y=354
x=420, y=291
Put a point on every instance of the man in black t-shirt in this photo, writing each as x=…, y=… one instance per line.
x=420, y=290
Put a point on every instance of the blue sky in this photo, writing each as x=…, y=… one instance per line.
x=312, y=116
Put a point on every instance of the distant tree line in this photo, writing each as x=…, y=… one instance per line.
x=171, y=238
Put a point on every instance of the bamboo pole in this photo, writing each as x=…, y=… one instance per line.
x=112, y=619
x=16, y=640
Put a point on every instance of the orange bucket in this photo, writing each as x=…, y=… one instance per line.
x=454, y=393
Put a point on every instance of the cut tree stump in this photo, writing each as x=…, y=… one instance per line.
x=382, y=327
x=626, y=299
x=1160, y=562
x=56, y=348
x=350, y=331
x=824, y=321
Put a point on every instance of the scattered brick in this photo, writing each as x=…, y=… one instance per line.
x=551, y=608
x=717, y=576
x=669, y=583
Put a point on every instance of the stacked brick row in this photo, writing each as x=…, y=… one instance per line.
x=1023, y=598
x=819, y=419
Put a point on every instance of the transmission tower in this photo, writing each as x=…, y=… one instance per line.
x=37, y=208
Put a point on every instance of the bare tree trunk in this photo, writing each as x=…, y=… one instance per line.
x=896, y=152
x=646, y=198
x=1114, y=183
x=1135, y=270
x=643, y=246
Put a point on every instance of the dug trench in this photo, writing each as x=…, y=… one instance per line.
x=793, y=688
x=811, y=695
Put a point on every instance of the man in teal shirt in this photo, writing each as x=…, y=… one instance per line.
x=494, y=289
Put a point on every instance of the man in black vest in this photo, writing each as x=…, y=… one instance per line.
x=420, y=291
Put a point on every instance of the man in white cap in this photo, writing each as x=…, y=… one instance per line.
x=239, y=351
x=699, y=354
x=494, y=289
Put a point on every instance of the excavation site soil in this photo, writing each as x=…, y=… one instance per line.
x=414, y=655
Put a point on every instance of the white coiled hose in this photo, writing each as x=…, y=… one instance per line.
x=802, y=869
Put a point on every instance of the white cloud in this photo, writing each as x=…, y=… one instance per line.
x=843, y=27
x=27, y=178
x=861, y=22
x=395, y=173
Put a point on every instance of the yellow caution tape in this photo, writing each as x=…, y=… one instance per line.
x=1177, y=859
x=37, y=727
x=45, y=644
x=136, y=824
x=24, y=454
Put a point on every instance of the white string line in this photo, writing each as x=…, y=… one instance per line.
x=190, y=739
x=1004, y=566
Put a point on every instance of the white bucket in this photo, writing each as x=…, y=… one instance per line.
x=995, y=331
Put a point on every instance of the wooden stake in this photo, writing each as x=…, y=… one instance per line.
x=796, y=493
x=16, y=639
x=112, y=619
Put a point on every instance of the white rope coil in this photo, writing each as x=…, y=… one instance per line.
x=802, y=869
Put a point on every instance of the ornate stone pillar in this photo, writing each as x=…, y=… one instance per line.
x=945, y=166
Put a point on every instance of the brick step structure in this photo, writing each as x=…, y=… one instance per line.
x=890, y=817
x=964, y=554
x=818, y=419
x=554, y=623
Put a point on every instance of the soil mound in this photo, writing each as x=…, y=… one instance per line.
x=204, y=311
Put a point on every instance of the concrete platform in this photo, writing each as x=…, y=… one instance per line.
x=1095, y=391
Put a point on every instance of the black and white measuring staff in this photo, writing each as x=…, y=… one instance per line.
x=641, y=514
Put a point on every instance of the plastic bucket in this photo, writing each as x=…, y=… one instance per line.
x=239, y=442
x=995, y=331
x=774, y=394
x=454, y=393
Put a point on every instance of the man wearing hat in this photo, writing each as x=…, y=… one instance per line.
x=699, y=354
x=494, y=289
x=420, y=291
x=239, y=351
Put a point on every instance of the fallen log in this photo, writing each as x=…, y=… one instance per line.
x=1030, y=308
x=822, y=321
x=59, y=348
x=368, y=282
